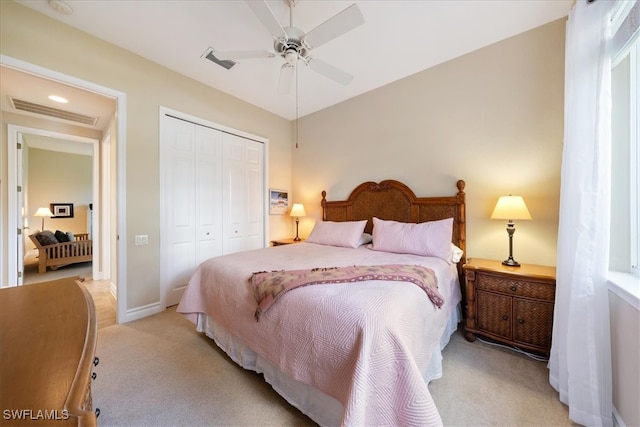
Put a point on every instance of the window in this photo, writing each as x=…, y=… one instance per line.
x=625, y=180
x=624, y=262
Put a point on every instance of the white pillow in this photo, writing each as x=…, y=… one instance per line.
x=456, y=254
x=432, y=238
x=365, y=238
x=346, y=234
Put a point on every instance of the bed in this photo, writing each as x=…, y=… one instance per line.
x=344, y=353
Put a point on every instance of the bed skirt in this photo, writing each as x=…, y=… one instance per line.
x=321, y=408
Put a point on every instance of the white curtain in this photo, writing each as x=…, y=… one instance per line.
x=580, y=360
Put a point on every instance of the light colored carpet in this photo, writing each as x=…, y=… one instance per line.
x=31, y=275
x=158, y=371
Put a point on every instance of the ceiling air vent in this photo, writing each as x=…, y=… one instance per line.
x=30, y=107
x=224, y=63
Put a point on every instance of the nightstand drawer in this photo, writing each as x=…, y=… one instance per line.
x=496, y=314
x=533, y=322
x=516, y=287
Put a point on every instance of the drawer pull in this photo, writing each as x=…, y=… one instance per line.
x=97, y=412
x=505, y=317
x=521, y=321
x=96, y=360
x=94, y=375
x=514, y=288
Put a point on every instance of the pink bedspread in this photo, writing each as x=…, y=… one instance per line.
x=367, y=346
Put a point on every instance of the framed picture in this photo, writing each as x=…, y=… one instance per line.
x=278, y=202
x=62, y=210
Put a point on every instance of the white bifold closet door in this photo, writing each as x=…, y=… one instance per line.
x=243, y=193
x=212, y=197
x=192, y=190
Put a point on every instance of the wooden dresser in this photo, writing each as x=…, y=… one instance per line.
x=48, y=337
x=513, y=305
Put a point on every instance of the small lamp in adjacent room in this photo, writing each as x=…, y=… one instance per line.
x=298, y=211
x=44, y=213
x=510, y=208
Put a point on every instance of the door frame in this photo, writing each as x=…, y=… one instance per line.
x=120, y=138
x=16, y=221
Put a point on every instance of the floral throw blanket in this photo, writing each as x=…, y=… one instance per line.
x=269, y=286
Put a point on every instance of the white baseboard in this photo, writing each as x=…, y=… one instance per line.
x=617, y=419
x=143, y=311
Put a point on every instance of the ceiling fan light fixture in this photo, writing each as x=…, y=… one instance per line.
x=291, y=56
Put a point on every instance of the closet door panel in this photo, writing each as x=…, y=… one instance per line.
x=234, y=194
x=208, y=172
x=255, y=195
x=179, y=201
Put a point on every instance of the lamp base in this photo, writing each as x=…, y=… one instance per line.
x=511, y=262
x=297, y=238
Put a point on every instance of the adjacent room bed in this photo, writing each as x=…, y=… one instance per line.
x=349, y=325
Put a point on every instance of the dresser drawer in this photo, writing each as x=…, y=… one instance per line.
x=516, y=287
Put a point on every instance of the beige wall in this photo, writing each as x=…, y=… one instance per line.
x=493, y=117
x=625, y=344
x=55, y=177
x=37, y=39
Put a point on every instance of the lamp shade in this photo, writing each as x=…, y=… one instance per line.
x=511, y=207
x=43, y=212
x=297, y=210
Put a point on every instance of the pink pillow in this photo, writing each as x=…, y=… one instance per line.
x=431, y=238
x=346, y=234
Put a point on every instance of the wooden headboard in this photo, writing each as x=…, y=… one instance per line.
x=392, y=200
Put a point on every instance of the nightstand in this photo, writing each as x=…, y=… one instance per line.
x=282, y=242
x=513, y=305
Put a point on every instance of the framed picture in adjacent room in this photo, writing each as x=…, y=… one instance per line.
x=62, y=210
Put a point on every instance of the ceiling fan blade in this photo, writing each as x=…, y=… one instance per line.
x=266, y=16
x=329, y=71
x=287, y=72
x=244, y=54
x=336, y=26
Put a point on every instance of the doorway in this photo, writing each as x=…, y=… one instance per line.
x=111, y=183
x=59, y=167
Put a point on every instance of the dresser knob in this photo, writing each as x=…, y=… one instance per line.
x=514, y=288
x=94, y=375
x=96, y=360
x=521, y=321
x=505, y=317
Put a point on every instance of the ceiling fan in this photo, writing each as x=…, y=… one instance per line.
x=293, y=44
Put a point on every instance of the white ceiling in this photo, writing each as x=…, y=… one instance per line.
x=398, y=38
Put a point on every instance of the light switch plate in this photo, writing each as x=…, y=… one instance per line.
x=142, y=239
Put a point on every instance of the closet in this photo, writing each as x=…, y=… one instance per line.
x=212, y=198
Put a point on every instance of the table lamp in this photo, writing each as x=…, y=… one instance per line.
x=510, y=208
x=297, y=210
x=44, y=213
